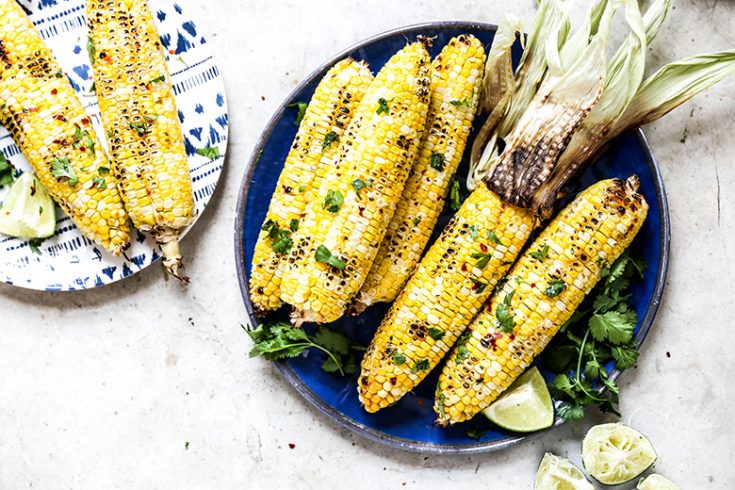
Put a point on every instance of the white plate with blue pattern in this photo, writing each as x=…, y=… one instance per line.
x=68, y=260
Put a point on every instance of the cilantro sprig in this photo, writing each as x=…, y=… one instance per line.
x=301, y=108
x=7, y=171
x=601, y=330
x=280, y=340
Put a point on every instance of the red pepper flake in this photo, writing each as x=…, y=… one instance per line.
x=85, y=120
x=393, y=380
x=291, y=445
x=172, y=51
x=60, y=117
x=464, y=267
x=483, y=247
x=533, y=284
x=54, y=91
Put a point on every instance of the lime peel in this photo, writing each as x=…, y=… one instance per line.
x=615, y=453
x=556, y=473
x=526, y=405
x=27, y=211
x=655, y=481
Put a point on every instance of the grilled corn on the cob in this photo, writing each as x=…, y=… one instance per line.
x=451, y=284
x=456, y=80
x=40, y=109
x=543, y=289
x=355, y=202
x=141, y=121
x=329, y=112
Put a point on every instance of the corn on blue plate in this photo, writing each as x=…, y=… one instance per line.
x=410, y=423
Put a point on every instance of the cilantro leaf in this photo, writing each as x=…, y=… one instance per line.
x=333, y=201
x=383, y=107
x=555, y=288
x=613, y=327
x=330, y=138
x=570, y=411
x=482, y=259
x=359, y=184
x=61, y=167
x=399, y=359
x=541, y=253
x=35, y=245
x=436, y=333
x=437, y=161
x=476, y=433
x=422, y=365
x=332, y=340
x=474, y=232
x=461, y=103
x=211, y=152
x=625, y=356
x=494, y=238
x=455, y=200
x=506, y=323
x=325, y=256
x=301, y=108
x=7, y=171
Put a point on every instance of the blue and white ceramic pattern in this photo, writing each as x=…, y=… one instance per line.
x=68, y=260
x=409, y=424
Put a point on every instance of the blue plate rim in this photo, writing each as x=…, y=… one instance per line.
x=290, y=375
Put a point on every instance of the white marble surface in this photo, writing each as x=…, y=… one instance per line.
x=145, y=384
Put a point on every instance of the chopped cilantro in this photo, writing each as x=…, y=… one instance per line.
x=555, y=288
x=91, y=50
x=461, y=103
x=437, y=161
x=99, y=182
x=422, y=365
x=103, y=170
x=479, y=285
x=333, y=201
x=383, y=107
x=541, y=253
x=34, y=244
x=330, y=138
x=455, y=200
x=82, y=139
x=494, y=238
x=436, y=333
x=506, y=323
x=359, y=184
x=482, y=259
x=294, y=224
x=160, y=79
x=210, y=152
x=301, y=108
x=61, y=167
x=399, y=359
x=325, y=256
x=474, y=232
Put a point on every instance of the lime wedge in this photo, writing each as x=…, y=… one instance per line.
x=555, y=473
x=525, y=406
x=656, y=482
x=27, y=211
x=615, y=453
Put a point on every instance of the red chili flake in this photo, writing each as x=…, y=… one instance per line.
x=82, y=149
x=393, y=380
x=291, y=445
x=483, y=247
x=60, y=117
x=85, y=120
x=33, y=109
x=172, y=51
x=533, y=284
x=512, y=336
x=54, y=91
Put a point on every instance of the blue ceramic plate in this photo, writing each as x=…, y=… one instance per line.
x=410, y=423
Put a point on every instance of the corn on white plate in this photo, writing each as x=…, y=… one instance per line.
x=68, y=260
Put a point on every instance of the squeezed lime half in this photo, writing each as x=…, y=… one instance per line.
x=27, y=211
x=525, y=406
x=656, y=482
x=615, y=453
x=556, y=473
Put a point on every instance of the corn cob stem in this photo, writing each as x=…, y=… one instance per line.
x=329, y=112
x=357, y=199
x=456, y=79
x=141, y=121
x=540, y=294
x=40, y=109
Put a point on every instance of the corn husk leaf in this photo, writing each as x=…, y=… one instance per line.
x=551, y=21
x=545, y=128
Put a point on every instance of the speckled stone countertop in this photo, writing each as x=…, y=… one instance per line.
x=145, y=384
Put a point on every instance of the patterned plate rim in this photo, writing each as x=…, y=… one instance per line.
x=205, y=203
x=335, y=415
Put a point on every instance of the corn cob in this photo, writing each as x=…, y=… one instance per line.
x=357, y=199
x=451, y=284
x=456, y=79
x=544, y=288
x=141, y=121
x=40, y=109
x=326, y=118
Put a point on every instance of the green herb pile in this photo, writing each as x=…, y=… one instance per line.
x=280, y=340
x=599, y=331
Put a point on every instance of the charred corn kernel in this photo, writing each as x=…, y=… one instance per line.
x=452, y=283
x=141, y=121
x=456, y=79
x=540, y=295
x=355, y=202
x=41, y=110
x=329, y=112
